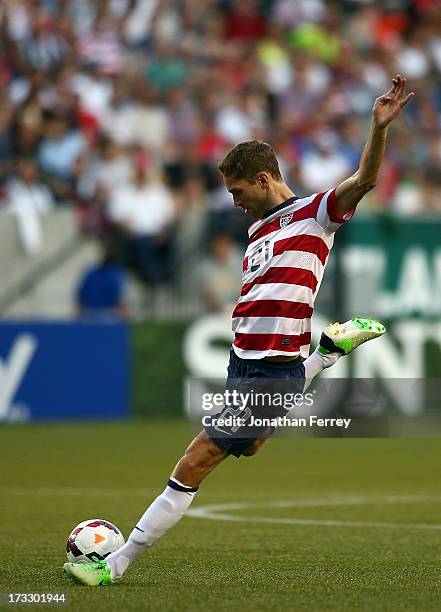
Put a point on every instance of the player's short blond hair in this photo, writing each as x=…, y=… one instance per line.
x=245, y=160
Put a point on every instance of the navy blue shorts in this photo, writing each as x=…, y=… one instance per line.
x=254, y=375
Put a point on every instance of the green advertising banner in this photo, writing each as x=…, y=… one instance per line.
x=392, y=266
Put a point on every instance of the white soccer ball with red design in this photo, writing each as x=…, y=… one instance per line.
x=92, y=540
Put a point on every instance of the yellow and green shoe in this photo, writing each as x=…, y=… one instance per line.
x=90, y=574
x=345, y=337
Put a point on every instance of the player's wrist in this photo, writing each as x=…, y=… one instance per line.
x=379, y=126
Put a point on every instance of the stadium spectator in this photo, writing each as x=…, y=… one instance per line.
x=106, y=168
x=143, y=212
x=58, y=151
x=244, y=23
x=221, y=275
x=324, y=165
x=101, y=289
x=150, y=119
x=27, y=198
x=102, y=46
x=167, y=68
x=95, y=90
x=43, y=48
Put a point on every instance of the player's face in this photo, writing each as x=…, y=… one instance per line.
x=250, y=197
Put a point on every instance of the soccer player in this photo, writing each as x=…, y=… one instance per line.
x=283, y=268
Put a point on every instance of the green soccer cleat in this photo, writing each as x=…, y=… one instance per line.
x=91, y=574
x=345, y=337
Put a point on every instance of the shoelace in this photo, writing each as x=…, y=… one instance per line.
x=100, y=563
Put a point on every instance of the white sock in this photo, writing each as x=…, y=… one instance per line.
x=317, y=362
x=163, y=514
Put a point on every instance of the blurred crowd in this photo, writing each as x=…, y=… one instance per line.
x=123, y=108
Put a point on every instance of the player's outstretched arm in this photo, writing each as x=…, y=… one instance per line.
x=385, y=109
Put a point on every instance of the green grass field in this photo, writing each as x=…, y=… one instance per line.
x=258, y=557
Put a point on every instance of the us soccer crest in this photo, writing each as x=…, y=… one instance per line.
x=286, y=219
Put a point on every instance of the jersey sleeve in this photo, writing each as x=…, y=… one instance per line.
x=327, y=216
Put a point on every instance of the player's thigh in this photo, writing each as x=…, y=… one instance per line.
x=200, y=458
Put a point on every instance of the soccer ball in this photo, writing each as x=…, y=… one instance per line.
x=93, y=539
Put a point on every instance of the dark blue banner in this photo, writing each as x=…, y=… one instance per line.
x=63, y=371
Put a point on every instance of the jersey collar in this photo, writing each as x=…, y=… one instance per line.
x=279, y=207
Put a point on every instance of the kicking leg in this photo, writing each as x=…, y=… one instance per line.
x=200, y=458
x=338, y=340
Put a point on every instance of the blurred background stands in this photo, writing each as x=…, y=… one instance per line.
x=117, y=113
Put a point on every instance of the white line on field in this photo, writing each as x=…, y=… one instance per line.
x=216, y=511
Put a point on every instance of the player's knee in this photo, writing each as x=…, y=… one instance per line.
x=254, y=446
x=213, y=450
x=251, y=450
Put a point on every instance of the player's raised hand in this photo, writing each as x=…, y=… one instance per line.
x=389, y=105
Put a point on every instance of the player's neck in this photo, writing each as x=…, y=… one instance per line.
x=279, y=193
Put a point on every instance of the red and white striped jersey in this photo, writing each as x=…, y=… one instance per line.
x=282, y=271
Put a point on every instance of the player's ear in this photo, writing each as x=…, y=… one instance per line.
x=262, y=179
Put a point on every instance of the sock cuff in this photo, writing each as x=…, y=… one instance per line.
x=327, y=346
x=178, y=486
